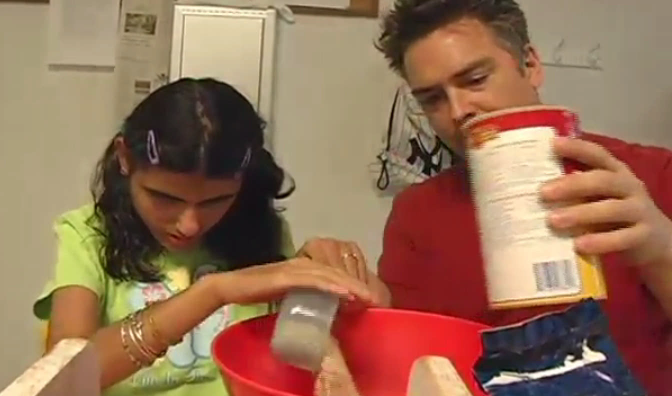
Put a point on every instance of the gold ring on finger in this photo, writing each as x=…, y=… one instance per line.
x=348, y=255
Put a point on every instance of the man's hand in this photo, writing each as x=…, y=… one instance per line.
x=615, y=207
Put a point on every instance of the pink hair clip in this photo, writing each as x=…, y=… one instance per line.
x=246, y=159
x=152, y=149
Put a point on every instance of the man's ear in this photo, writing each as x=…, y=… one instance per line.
x=123, y=155
x=532, y=67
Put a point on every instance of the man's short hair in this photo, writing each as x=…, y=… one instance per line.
x=412, y=20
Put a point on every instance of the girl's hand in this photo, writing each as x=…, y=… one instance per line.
x=349, y=257
x=338, y=254
x=269, y=282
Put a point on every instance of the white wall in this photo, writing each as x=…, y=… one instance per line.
x=329, y=122
x=329, y=117
x=51, y=128
x=632, y=97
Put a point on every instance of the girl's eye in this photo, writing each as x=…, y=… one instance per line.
x=164, y=199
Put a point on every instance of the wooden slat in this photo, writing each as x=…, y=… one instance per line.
x=358, y=8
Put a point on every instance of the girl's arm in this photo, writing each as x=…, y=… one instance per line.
x=75, y=309
x=75, y=313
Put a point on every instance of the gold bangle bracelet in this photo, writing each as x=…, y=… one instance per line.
x=153, y=328
x=142, y=326
x=136, y=338
x=138, y=331
x=125, y=343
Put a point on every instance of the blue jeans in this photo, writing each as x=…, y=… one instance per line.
x=568, y=353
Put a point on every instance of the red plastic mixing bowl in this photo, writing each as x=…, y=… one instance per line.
x=380, y=345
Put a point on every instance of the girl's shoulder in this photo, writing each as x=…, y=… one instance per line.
x=80, y=226
x=77, y=263
x=83, y=219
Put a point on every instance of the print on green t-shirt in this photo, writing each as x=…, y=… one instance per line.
x=190, y=360
x=187, y=368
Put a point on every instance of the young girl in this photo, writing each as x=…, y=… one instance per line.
x=181, y=241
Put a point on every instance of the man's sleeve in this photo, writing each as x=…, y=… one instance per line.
x=660, y=185
x=399, y=257
x=653, y=166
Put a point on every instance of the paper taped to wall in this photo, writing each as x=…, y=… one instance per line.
x=83, y=32
x=143, y=53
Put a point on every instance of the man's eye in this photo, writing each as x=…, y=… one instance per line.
x=478, y=80
x=430, y=100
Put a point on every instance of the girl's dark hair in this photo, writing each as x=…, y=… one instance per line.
x=191, y=125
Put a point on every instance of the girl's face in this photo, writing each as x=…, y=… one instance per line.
x=179, y=208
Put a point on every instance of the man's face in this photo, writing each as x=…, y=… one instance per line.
x=462, y=70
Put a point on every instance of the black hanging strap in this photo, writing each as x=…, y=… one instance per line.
x=384, y=177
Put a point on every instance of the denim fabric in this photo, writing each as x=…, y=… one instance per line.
x=556, y=341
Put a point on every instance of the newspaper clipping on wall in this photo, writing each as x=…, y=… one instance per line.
x=143, y=51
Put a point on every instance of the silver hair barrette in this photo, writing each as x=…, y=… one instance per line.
x=246, y=159
x=152, y=149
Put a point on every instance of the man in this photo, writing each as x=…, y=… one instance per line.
x=463, y=58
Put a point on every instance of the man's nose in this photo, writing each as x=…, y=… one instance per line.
x=189, y=224
x=461, y=105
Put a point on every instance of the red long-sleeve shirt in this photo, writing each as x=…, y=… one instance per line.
x=432, y=262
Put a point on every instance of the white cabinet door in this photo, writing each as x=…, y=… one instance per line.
x=232, y=45
x=228, y=49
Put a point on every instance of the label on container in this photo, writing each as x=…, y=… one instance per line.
x=524, y=258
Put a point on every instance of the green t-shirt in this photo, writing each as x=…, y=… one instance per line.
x=187, y=369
